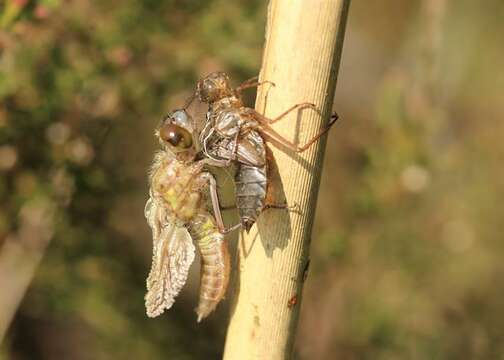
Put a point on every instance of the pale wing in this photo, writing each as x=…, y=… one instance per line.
x=172, y=256
x=198, y=112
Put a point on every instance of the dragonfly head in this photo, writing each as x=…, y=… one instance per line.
x=175, y=132
x=214, y=87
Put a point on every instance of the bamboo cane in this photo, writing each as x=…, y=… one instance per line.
x=20, y=257
x=302, y=53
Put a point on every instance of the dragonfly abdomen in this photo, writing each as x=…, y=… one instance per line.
x=251, y=184
x=215, y=265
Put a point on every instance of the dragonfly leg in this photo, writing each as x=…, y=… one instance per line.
x=189, y=101
x=232, y=228
x=274, y=137
x=294, y=208
x=252, y=82
x=298, y=107
x=216, y=207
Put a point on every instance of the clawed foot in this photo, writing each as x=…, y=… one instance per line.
x=291, y=208
x=230, y=229
x=268, y=82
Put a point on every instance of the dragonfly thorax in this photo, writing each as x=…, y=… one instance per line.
x=179, y=186
x=228, y=122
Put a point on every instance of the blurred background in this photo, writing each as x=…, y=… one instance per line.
x=406, y=250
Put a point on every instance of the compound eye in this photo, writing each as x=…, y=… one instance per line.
x=176, y=136
x=207, y=90
x=180, y=117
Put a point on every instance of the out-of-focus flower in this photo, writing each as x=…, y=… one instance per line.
x=19, y=3
x=107, y=104
x=80, y=151
x=41, y=12
x=415, y=178
x=8, y=157
x=58, y=133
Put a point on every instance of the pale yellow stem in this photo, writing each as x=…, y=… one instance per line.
x=302, y=52
x=20, y=256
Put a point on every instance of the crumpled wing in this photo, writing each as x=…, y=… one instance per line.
x=252, y=150
x=172, y=257
x=198, y=112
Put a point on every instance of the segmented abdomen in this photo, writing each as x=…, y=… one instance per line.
x=251, y=185
x=215, y=264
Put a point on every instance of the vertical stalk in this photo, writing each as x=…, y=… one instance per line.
x=21, y=255
x=302, y=53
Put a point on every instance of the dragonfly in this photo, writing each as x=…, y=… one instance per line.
x=234, y=133
x=177, y=214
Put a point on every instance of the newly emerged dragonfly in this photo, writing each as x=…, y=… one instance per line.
x=177, y=214
x=236, y=133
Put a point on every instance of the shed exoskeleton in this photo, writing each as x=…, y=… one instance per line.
x=236, y=133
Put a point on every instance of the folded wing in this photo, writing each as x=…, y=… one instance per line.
x=172, y=256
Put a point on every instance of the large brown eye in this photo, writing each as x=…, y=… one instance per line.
x=207, y=91
x=176, y=136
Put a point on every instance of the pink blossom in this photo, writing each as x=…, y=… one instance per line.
x=20, y=3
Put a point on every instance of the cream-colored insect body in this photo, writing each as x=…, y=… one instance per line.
x=176, y=212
